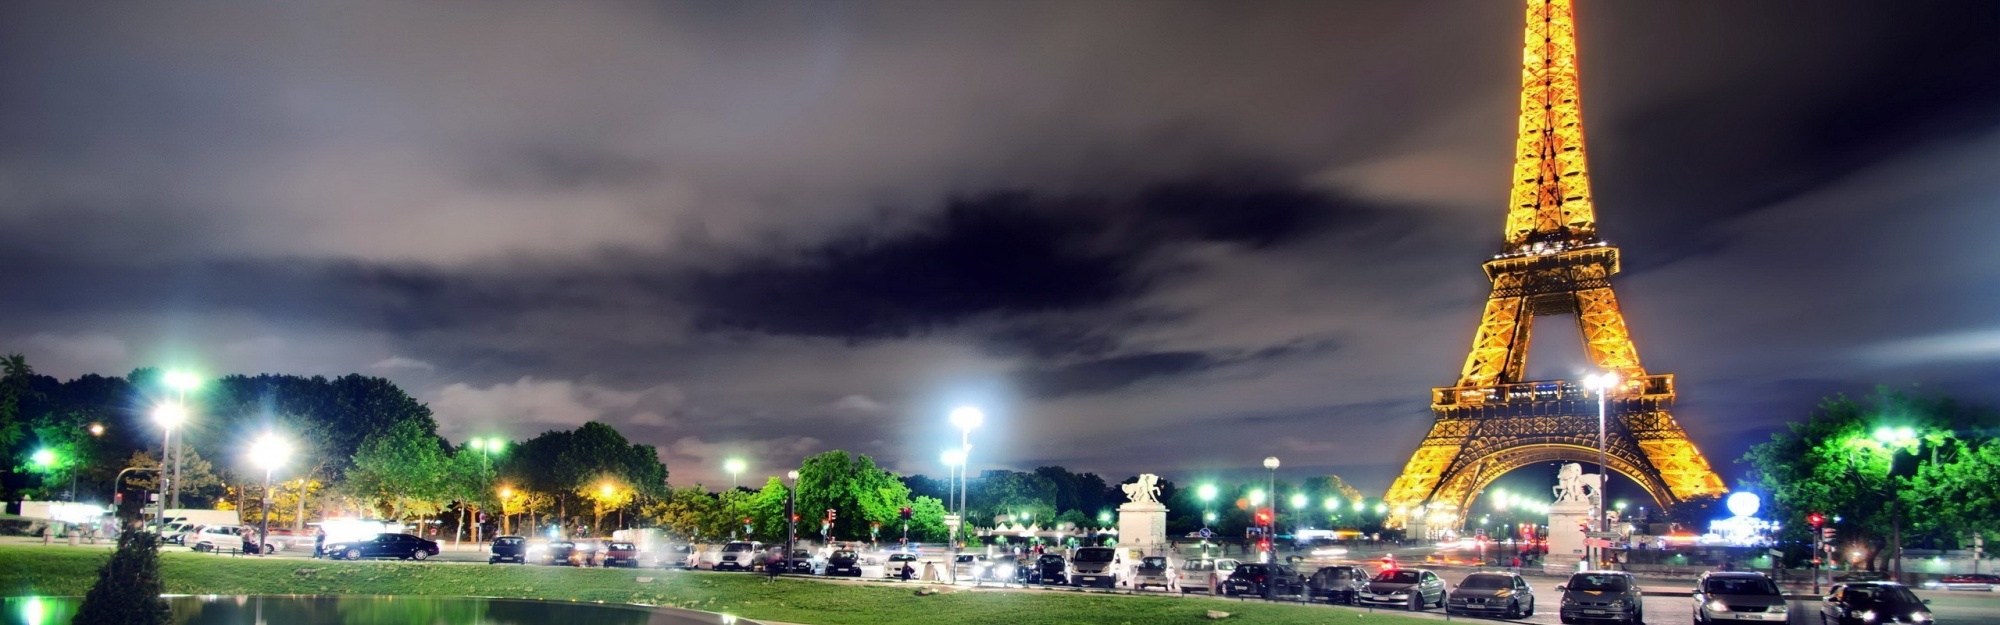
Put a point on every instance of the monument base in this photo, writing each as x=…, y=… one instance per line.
x=1566, y=537
x=1143, y=526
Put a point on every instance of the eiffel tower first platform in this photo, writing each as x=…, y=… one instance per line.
x=1552, y=263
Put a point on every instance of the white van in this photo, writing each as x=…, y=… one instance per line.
x=1097, y=566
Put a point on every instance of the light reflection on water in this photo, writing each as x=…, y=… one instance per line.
x=227, y=610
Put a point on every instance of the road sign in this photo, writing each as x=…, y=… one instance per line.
x=1206, y=534
x=1602, y=535
x=1776, y=553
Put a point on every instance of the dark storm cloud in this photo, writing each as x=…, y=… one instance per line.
x=751, y=228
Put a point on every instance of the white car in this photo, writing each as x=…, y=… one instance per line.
x=216, y=536
x=1206, y=574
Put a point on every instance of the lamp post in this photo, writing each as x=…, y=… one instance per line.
x=735, y=467
x=1298, y=508
x=1891, y=440
x=953, y=458
x=181, y=382
x=1602, y=383
x=1207, y=494
x=485, y=446
x=966, y=418
x=268, y=453
x=505, y=494
x=1271, y=531
x=791, y=508
x=169, y=416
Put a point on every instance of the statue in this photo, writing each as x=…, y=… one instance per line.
x=1146, y=490
x=1572, y=484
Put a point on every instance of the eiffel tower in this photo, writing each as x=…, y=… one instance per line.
x=1552, y=263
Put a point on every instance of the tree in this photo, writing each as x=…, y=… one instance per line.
x=402, y=472
x=128, y=586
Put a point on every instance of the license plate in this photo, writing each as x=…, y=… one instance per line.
x=1596, y=612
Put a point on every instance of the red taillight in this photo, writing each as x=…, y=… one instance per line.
x=1257, y=578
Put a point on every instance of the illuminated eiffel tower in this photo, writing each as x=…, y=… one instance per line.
x=1552, y=263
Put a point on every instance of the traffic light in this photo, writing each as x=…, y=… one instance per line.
x=906, y=512
x=1827, y=534
x=829, y=515
x=1263, y=516
x=1815, y=519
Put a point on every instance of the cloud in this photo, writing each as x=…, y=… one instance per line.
x=693, y=460
x=70, y=354
x=519, y=407
x=395, y=363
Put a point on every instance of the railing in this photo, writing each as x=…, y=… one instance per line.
x=1650, y=386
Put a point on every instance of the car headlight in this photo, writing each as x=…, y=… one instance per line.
x=1781, y=608
x=1715, y=605
x=1503, y=593
x=1568, y=601
x=1920, y=617
x=1399, y=593
x=1617, y=604
x=1867, y=615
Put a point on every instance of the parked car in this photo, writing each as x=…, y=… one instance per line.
x=618, y=553
x=1269, y=581
x=843, y=562
x=1602, y=595
x=677, y=557
x=892, y=567
x=1870, y=603
x=1737, y=596
x=1097, y=566
x=1337, y=584
x=803, y=562
x=740, y=556
x=1973, y=581
x=1206, y=574
x=558, y=553
x=1154, y=571
x=403, y=546
x=211, y=537
x=1000, y=569
x=1414, y=589
x=1503, y=594
x=1050, y=569
x=1024, y=570
x=508, y=549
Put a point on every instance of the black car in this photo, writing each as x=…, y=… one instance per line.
x=802, y=562
x=843, y=562
x=1269, y=581
x=1602, y=595
x=1050, y=569
x=1491, y=593
x=403, y=546
x=1872, y=603
x=1337, y=584
x=558, y=553
x=509, y=549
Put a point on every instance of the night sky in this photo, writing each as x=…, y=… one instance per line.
x=1144, y=236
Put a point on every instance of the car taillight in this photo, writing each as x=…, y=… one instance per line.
x=1257, y=578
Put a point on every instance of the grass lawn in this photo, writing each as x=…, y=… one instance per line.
x=63, y=571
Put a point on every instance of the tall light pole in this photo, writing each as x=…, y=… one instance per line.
x=485, y=446
x=1602, y=383
x=735, y=467
x=505, y=494
x=181, y=382
x=966, y=418
x=169, y=416
x=1271, y=531
x=791, y=511
x=953, y=458
x=268, y=453
x=1207, y=494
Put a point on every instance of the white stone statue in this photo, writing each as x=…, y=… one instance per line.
x=1146, y=490
x=1572, y=484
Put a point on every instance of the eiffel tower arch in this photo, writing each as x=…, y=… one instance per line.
x=1551, y=262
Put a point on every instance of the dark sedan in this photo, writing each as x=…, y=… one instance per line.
x=1050, y=569
x=509, y=549
x=1495, y=594
x=1873, y=603
x=402, y=546
x=843, y=562
x=1269, y=581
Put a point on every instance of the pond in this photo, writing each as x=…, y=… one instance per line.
x=288, y=610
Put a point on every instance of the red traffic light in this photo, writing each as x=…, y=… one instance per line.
x=906, y=512
x=1815, y=519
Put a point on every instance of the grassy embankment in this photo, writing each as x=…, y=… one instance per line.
x=61, y=571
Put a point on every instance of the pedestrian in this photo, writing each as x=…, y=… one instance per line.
x=319, y=543
x=907, y=572
x=774, y=565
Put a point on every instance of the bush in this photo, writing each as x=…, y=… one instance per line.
x=128, y=586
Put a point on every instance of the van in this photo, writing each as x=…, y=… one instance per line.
x=1098, y=566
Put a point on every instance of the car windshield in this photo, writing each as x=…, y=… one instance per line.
x=1154, y=563
x=1052, y=559
x=1739, y=586
x=844, y=554
x=801, y=553
x=1197, y=565
x=1487, y=581
x=506, y=541
x=1226, y=565
x=902, y=557
x=1397, y=577
x=1094, y=555
x=735, y=547
x=562, y=544
x=1252, y=569
x=1607, y=583
x=1880, y=594
x=622, y=546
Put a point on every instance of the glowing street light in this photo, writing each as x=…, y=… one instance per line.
x=1207, y=494
x=96, y=429
x=966, y=418
x=269, y=452
x=1332, y=504
x=1271, y=531
x=1602, y=383
x=1256, y=497
x=44, y=458
x=169, y=416
x=735, y=468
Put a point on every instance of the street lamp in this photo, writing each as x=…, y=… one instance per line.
x=791, y=510
x=486, y=446
x=1207, y=494
x=966, y=418
x=1602, y=383
x=505, y=494
x=1271, y=532
x=953, y=459
x=181, y=382
x=269, y=452
x=735, y=467
x=169, y=416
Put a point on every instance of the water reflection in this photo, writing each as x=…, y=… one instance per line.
x=213, y=610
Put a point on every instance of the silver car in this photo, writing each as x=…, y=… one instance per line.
x=1738, y=596
x=1503, y=594
x=1414, y=589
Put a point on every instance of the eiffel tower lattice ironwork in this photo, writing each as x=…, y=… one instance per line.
x=1553, y=263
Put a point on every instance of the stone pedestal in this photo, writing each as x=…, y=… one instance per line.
x=1566, y=546
x=1143, y=526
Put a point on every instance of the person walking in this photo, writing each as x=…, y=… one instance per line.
x=319, y=543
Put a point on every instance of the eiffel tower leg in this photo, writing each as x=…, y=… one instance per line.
x=1500, y=349
x=1425, y=471
x=1605, y=338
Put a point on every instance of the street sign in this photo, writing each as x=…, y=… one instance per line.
x=1602, y=535
x=1776, y=553
x=1206, y=534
